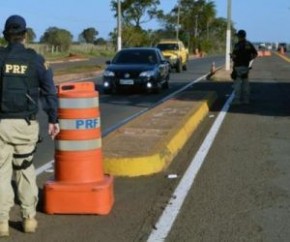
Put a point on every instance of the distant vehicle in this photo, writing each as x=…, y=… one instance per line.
x=175, y=52
x=136, y=68
x=269, y=46
x=280, y=45
x=262, y=46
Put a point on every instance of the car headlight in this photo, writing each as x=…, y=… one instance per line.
x=146, y=74
x=108, y=74
x=173, y=57
x=106, y=84
x=149, y=85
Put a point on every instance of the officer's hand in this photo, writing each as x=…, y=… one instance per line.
x=53, y=130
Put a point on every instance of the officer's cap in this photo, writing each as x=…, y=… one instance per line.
x=15, y=24
x=241, y=33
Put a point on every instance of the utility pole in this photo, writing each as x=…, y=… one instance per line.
x=228, y=40
x=119, y=38
x=178, y=20
x=195, y=25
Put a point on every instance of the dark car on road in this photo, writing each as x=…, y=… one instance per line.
x=282, y=45
x=136, y=68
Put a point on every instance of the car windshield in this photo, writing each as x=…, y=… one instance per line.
x=167, y=46
x=283, y=44
x=135, y=57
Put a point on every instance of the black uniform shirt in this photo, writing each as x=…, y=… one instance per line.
x=48, y=96
x=243, y=53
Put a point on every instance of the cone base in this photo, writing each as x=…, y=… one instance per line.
x=84, y=198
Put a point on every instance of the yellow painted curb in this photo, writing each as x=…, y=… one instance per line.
x=162, y=154
x=283, y=56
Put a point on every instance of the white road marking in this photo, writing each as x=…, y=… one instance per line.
x=171, y=211
x=45, y=167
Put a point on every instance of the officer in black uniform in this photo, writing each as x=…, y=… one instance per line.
x=243, y=54
x=24, y=78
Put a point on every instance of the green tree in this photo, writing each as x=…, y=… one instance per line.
x=57, y=39
x=199, y=28
x=137, y=12
x=198, y=24
x=201, y=13
x=89, y=35
x=134, y=14
x=2, y=41
x=135, y=37
x=30, y=35
x=100, y=41
x=132, y=37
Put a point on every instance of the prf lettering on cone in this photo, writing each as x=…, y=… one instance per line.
x=87, y=123
x=79, y=185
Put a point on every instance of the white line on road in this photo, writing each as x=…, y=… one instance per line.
x=171, y=211
x=45, y=167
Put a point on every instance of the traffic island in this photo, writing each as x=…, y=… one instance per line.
x=220, y=75
x=149, y=143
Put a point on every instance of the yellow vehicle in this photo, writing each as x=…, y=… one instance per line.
x=175, y=52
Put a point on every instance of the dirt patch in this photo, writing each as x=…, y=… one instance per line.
x=75, y=76
x=221, y=75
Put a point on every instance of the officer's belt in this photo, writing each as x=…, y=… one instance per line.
x=21, y=156
x=25, y=164
x=32, y=117
x=29, y=118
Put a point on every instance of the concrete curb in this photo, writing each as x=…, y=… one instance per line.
x=150, y=148
x=282, y=56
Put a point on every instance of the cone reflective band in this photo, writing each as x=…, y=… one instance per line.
x=80, y=185
x=79, y=128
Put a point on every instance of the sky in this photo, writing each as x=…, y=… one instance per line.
x=264, y=20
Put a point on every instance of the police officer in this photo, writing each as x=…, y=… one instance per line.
x=243, y=54
x=24, y=77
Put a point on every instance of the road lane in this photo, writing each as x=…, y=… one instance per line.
x=242, y=191
x=170, y=213
x=236, y=195
x=138, y=201
x=115, y=109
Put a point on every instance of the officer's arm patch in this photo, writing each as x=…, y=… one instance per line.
x=46, y=65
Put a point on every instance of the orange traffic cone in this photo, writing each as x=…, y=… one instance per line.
x=80, y=186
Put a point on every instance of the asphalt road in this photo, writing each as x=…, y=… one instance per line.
x=241, y=192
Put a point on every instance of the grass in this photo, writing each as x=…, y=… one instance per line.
x=78, y=69
x=77, y=51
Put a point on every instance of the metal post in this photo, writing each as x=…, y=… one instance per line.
x=228, y=37
x=119, y=40
x=195, y=26
x=207, y=24
x=178, y=20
